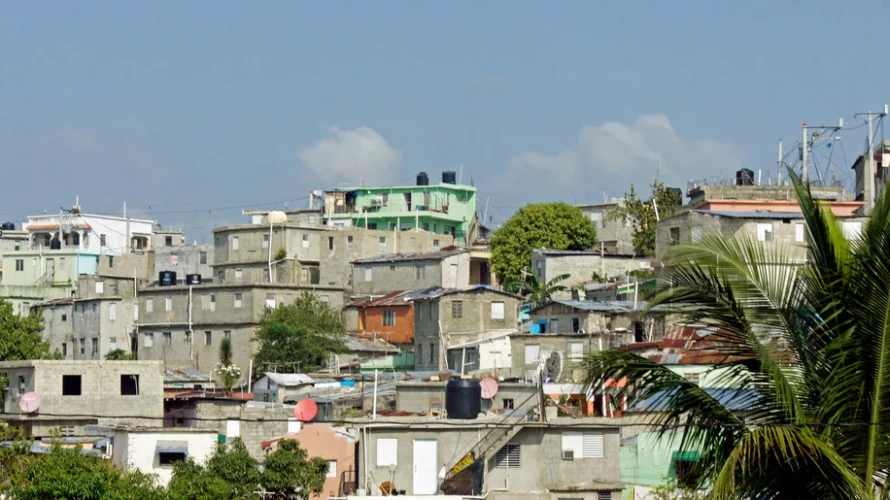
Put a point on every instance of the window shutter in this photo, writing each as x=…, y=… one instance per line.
x=508, y=457
x=387, y=449
x=593, y=445
x=531, y=354
x=572, y=441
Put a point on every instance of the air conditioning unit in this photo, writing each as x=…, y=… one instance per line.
x=568, y=454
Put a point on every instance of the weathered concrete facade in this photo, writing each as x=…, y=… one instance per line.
x=445, y=318
x=423, y=397
x=391, y=273
x=581, y=266
x=614, y=233
x=78, y=393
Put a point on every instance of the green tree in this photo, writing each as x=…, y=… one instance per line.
x=557, y=226
x=289, y=474
x=20, y=337
x=229, y=374
x=537, y=292
x=642, y=214
x=119, y=355
x=305, y=333
x=230, y=472
x=808, y=348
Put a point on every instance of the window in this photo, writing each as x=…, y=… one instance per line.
x=576, y=351
x=70, y=385
x=265, y=241
x=238, y=300
x=554, y=325
x=235, y=243
x=603, y=495
x=168, y=241
x=168, y=303
x=331, y=243
x=348, y=242
x=94, y=346
x=202, y=257
x=695, y=233
x=238, y=274
x=227, y=334
x=212, y=302
x=389, y=317
x=531, y=353
x=168, y=339
x=436, y=243
x=102, y=240
x=62, y=263
x=382, y=242
x=507, y=457
x=112, y=312
x=129, y=385
x=64, y=317
x=419, y=272
x=765, y=232
x=852, y=230
x=65, y=349
x=188, y=337
x=220, y=276
x=432, y=352
x=675, y=235
x=19, y=264
x=83, y=346
x=233, y=428
x=149, y=340
x=170, y=458
x=799, y=233
x=23, y=385
x=508, y=403
x=111, y=261
x=332, y=468
x=497, y=310
x=305, y=241
x=270, y=300
x=149, y=305
x=312, y=219
x=368, y=274
x=112, y=343
x=266, y=278
x=576, y=325
x=208, y=338
x=457, y=309
x=583, y=444
x=304, y=274
x=387, y=451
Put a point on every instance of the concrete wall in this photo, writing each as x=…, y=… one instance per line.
x=257, y=422
x=616, y=235
x=100, y=397
x=452, y=271
x=182, y=259
x=426, y=396
x=322, y=440
x=571, y=369
x=138, y=450
x=371, y=323
x=541, y=466
x=126, y=266
x=435, y=322
x=581, y=267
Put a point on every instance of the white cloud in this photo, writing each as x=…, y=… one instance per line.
x=353, y=154
x=612, y=156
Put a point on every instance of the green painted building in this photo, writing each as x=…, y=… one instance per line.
x=444, y=208
x=32, y=276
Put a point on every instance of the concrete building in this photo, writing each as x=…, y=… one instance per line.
x=583, y=266
x=428, y=397
x=490, y=354
x=278, y=387
x=78, y=393
x=613, y=234
x=32, y=276
x=154, y=450
x=183, y=259
x=563, y=458
x=394, y=272
x=717, y=189
x=336, y=446
x=11, y=240
x=770, y=227
x=184, y=325
x=444, y=318
x=390, y=318
x=76, y=230
x=445, y=208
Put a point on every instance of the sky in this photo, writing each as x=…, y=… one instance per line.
x=191, y=112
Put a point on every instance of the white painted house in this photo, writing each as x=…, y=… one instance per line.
x=74, y=229
x=155, y=450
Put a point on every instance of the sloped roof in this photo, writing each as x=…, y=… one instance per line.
x=356, y=344
x=289, y=379
x=401, y=257
x=436, y=292
x=597, y=306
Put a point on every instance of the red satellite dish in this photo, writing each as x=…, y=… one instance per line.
x=29, y=402
x=489, y=387
x=305, y=410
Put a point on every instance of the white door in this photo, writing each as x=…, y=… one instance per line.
x=425, y=473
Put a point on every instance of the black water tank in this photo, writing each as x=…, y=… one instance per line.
x=463, y=399
x=55, y=244
x=167, y=278
x=8, y=226
x=744, y=177
x=192, y=279
x=423, y=179
x=449, y=177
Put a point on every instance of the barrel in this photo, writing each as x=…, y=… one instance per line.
x=463, y=399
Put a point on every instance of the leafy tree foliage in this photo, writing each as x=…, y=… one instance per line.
x=536, y=291
x=305, y=333
x=227, y=371
x=807, y=347
x=557, y=226
x=642, y=214
x=20, y=337
x=289, y=474
x=119, y=355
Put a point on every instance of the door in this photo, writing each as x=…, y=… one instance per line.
x=425, y=474
x=50, y=270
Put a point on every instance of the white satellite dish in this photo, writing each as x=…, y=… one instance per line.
x=29, y=402
x=277, y=217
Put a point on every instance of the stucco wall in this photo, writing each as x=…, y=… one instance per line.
x=138, y=450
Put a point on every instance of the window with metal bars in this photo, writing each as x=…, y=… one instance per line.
x=507, y=457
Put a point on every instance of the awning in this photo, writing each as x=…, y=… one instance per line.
x=172, y=447
x=686, y=456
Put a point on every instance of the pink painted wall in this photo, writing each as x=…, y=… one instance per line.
x=321, y=440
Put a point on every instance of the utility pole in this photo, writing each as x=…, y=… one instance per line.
x=869, y=186
x=804, y=154
x=779, y=166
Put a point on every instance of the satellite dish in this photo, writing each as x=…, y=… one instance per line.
x=553, y=367
x=29, y=402
x=305, y=410
x=277, y=217
x=489, y=387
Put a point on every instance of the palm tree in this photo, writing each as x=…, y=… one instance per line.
x=807, y=348
x=536, y=291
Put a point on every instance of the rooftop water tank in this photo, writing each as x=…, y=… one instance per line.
x=463, y=399
x=449, y=177
x=8, y=226
x=423, y=179
x=55, y=244
x=744, y=177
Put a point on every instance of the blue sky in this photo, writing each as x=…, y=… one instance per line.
x=185, y=109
